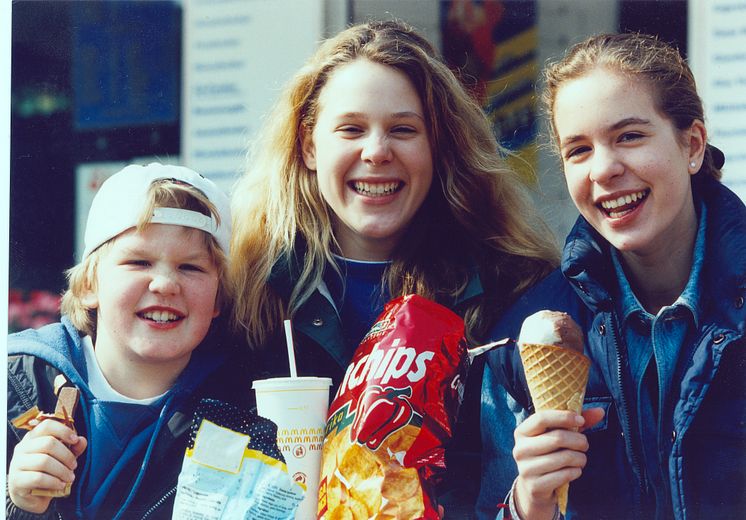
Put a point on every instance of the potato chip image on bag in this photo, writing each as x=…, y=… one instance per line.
x=393, y=413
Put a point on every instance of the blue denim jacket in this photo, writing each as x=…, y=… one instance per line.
x=707, y=457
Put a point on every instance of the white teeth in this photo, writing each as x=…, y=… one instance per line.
x=160, y=316
x=623, y=200
x=377, y=189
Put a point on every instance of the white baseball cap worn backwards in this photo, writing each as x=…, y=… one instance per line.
x=118, y=205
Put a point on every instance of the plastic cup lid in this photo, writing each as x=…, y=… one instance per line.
x=293, y=383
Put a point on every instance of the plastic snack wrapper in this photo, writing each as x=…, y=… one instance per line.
x=233, y=469
x=383, y=450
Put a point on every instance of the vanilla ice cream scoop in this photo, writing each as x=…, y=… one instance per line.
x=551, y=328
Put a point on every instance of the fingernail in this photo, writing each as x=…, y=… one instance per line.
x=579, y=420
x=73, y=438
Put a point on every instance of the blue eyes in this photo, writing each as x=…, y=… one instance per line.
x=631, y=136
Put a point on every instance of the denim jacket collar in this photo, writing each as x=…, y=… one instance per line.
x=629, y=305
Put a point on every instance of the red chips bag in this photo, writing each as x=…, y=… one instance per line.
x=384, y=442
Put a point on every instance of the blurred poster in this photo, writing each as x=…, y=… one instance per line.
x=118, y=81
x=494, y=45
x=717, y=53
x=236, y=57
x=88, y=179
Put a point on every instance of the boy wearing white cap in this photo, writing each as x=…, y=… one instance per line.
x=136, y=312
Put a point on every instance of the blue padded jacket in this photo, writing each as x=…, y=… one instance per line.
x=706, y=449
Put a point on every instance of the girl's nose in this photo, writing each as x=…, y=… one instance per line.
x=605, y=165
x=376, y=149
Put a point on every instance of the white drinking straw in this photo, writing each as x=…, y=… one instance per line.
x=474, y=352
x=291, y=350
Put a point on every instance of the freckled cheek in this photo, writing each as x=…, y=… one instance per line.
x=122, y=296
x=650, y=165
x=205, y=296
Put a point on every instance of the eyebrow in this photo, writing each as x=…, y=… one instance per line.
x=616, y=126
x=397, y=115
x=148, y=252
x=629, y=121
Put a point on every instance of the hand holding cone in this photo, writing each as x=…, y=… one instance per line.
x=551, y=349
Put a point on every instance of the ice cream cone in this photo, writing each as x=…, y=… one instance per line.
x=556, y=378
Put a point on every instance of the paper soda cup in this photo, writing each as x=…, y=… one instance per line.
x=298, y=405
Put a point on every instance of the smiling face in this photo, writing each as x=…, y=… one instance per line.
x=627, y=167
x=372, y=156
x=155, y=298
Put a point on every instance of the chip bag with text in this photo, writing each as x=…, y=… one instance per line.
x=233, y=468
x=393, y=413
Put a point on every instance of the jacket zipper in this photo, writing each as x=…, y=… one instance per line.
x=675, y=483
x=625, y=410
x=27, y=402
x=159, y=503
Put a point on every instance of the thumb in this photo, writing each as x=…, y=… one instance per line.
x=592, y=417
x=79, y=447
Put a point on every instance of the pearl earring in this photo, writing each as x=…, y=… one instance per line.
x=692, y=164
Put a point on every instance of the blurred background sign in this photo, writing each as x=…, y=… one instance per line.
x=125, y=67
x=717, y=53
x=237, y=55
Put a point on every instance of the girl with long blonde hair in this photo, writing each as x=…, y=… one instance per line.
x=474, y=220
x=377, y=175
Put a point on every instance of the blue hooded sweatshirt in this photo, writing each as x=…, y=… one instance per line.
x=134, y=453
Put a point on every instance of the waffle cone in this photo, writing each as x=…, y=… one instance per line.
x=556, y=379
